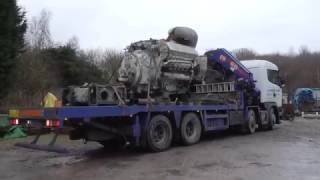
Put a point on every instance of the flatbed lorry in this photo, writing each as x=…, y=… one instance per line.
x=247, y=96
x=155, y=125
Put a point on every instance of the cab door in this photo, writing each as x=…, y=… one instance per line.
x=274, y=91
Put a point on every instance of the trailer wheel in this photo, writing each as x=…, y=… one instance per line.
x=251, y=124
x=159, y=133
x=271, y=119
x=190, y=129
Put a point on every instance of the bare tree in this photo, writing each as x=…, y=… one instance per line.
x=73, y=43
x=38, y=34
x=33, y=79
x=304, y=50
x=108, y=61
x=33, y=76
x=245, y=53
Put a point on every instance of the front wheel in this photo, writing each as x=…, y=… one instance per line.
x=190, y=129
x=159, y=133
x=251, y=123
x=271, y=119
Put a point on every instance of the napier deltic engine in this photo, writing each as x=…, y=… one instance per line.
x=158, y=70
x=162, y=68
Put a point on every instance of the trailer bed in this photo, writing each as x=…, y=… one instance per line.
x=129, y=122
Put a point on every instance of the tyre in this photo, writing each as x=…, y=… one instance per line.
x=159, y=133
x=271, y=119
x=190, y=129
x=251, y=123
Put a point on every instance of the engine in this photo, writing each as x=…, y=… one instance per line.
x=162, y=68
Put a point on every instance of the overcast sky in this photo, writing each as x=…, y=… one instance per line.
x=263, y=25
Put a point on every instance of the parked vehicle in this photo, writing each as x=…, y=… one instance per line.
x=168, y=92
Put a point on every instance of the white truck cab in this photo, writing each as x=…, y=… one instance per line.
x=266, y=75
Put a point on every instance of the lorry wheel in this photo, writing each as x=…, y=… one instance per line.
x=190, y=129
x=159, y=133
x=251, y=124
x=271, y=119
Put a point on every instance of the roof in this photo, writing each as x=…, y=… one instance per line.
x=259, y=63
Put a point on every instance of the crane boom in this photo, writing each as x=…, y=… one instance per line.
x=230, y=62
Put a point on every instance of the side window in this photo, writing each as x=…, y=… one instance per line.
x=273, y=76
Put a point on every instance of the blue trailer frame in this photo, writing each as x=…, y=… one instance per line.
x=141, y=114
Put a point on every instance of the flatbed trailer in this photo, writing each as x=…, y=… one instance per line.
x=131, y=124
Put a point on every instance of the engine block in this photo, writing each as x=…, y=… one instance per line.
x=162, y=67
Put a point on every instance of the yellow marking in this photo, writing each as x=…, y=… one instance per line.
x=13, y=113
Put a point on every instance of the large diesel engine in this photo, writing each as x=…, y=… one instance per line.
x=163, y=67
x=166, y=69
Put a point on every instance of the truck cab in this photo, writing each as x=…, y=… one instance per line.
x=267, y=80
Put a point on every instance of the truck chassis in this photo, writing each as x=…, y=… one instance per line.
x=154, y=126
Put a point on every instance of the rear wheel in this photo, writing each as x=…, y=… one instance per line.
x=159, y=133
x=190, y=129
x=251, y=123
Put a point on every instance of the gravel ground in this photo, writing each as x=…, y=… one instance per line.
x=291, y=151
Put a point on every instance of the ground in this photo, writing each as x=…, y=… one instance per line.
x=290, y=151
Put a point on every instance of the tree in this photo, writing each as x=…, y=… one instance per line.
x=12, y=29
x=108, y=61
x=32, y=76
x=304, y=51
x=38, y=35
x=33, y=79
x=71, y=66
x=244, y=54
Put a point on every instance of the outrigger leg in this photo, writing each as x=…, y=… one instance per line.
x=50, y=147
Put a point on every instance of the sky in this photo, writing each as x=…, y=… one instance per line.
x=267, y=26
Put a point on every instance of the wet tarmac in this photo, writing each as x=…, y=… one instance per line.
x=290, y=151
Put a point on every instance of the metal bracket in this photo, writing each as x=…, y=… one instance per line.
x=49, y=147
x=121, y=102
